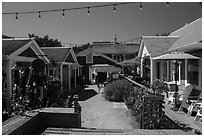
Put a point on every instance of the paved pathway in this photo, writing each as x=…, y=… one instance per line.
x=102, y=114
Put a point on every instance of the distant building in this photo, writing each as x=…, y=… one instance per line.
x=63, y=65
x=117, y=51
x=90, y=60
x=100, y=54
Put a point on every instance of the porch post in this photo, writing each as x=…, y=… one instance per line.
x=69, y=77
x=78, y=71
x=168, y=71
x=141, y=67
x=61, y=74
x=9, y=84
x=186, y=72
x=179, y=73
x=75, y=78
x=161, y=70
x=151, y=71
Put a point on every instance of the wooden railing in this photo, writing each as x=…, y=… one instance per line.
x=151, y=109
x=135, y=83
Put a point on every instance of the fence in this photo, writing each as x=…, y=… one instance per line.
x=151, y=115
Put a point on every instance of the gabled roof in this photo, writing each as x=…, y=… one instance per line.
x=56, y=53
x=116, y=48
x=9, y=46
x=156, y=45
x=189, y=34
x=94, y=53
x=87, y=51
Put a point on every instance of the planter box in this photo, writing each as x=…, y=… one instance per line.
x=38, y=119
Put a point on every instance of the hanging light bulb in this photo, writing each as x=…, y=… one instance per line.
x=39, y=16
x=167, y=4
x=88, y=11
x=140, y=5
x=114, y=9
x=16, y=16
x=63, y=13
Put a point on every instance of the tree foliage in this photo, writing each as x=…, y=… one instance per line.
x=77, y=49
x=46, y=41
x=163, y=34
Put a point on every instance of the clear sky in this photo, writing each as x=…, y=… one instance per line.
x=102, y=24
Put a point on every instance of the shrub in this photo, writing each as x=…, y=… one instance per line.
x=54, y=87
x=54, y=91
x=159, y=87
x=133, y=101
x=116, y=90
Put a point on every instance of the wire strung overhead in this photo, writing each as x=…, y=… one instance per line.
x=69, y=9
x=66, y=9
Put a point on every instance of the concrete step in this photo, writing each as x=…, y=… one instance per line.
x=94, y=131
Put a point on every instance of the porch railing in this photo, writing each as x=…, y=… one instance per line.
x=151, y=109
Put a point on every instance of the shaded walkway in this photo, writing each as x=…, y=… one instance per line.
x=102, y=114
x=86, y=94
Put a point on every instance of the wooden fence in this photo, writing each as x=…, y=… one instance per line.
x=152, y=114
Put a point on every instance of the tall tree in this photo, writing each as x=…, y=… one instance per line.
x=46, y=41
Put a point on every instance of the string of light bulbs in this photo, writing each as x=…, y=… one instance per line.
x=64, y=10
x=69, y=9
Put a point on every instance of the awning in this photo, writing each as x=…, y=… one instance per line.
x=175, y=56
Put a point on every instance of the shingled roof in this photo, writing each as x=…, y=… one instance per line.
x=56, y=53
x=94, y=53
x=9, y=46
x=116, y=48
x=156, y=45
x=189, y=34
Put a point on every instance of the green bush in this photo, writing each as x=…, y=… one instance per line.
x=133, y=101
x=159, y=87
x=116, y=90
x=134, y=98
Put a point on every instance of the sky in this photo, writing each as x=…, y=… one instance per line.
x=128, y=22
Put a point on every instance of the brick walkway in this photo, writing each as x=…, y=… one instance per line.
x=102, y=114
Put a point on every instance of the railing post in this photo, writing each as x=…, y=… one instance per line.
x=142, y=115
x=76, y=106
